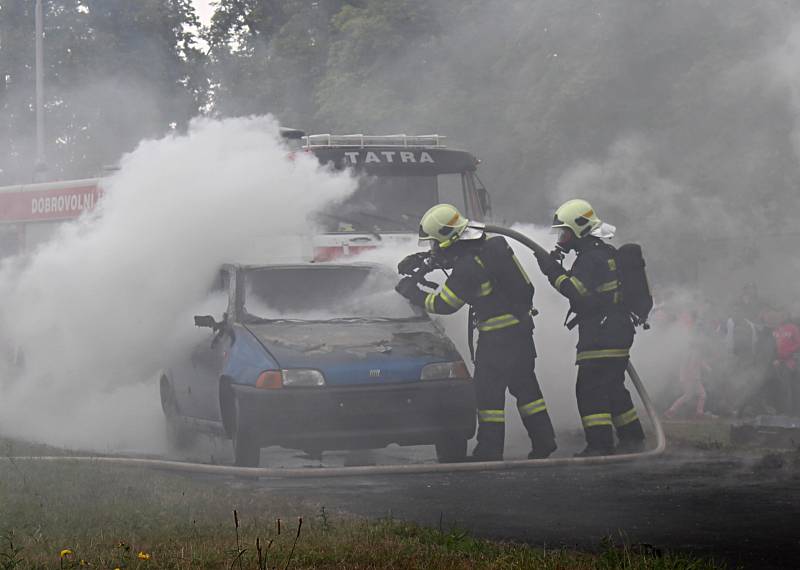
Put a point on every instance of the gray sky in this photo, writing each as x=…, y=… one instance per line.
x=204, y=10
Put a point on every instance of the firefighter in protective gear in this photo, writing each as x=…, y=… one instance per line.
x=605, y=329
x=487, y=276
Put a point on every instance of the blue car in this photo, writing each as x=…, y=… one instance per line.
x=320, y=357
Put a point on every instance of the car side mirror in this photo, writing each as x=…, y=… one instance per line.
x=206, y=321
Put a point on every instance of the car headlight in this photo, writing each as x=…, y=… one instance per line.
x=445, y=371
x=301, y=377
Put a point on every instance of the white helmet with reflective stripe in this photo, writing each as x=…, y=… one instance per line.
x=445, y=225
x=576, y=219
x=577, y=215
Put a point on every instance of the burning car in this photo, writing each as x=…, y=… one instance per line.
x=320, y=357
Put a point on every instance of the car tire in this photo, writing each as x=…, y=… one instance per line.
x=246, y=451
x=452, y=449
x=179, y=435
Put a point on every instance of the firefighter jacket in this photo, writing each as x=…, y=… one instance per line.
x=605, y=329
x=487, y=276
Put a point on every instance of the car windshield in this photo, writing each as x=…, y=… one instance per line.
x=391, y=203
x=324, y=293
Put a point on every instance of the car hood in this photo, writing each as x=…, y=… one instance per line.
x=361, y=352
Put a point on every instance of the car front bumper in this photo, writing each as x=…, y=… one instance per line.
x=358, y=417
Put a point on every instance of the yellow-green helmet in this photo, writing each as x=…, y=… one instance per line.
x=445, y=225
x=578, y=216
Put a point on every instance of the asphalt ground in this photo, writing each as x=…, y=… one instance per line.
x=743, y=511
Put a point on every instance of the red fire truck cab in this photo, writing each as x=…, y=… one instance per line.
x=400, y=177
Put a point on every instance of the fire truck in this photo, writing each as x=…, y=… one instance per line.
x=400, y=177
x=29, y=214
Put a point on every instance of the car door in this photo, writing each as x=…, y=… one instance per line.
x=207, y=359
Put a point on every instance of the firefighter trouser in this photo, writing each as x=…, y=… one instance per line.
x=501, y=365
x=604, y=404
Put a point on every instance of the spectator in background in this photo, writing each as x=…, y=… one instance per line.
x=749, y=305
x=690, y=374
x=787, y=347
x=752, y=346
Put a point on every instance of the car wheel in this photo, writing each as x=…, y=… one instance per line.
x=451, y=449
x=246, y=451
x=179, y=435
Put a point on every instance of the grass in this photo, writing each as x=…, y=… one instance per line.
x=68, y=515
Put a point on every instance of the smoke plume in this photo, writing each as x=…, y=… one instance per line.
x=109, y=300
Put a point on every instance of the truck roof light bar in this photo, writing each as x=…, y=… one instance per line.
x=292, y=134
x=366, y=141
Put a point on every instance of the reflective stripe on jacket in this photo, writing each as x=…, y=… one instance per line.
x=473, y=282
x=592, y=286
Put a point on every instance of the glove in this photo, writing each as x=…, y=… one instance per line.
x=549, y=263
x=409, y=289
x=411, y=262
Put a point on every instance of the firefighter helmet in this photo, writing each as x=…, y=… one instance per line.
x=578, y=216
x=445, y=225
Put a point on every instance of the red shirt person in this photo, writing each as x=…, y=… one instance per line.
x=787, y=342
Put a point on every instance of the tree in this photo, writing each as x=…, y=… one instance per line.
x=17, y=111
x=116, y=72
x=267, y=55
x=678, y=105
x=369, y=40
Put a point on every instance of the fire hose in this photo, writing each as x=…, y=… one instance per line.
x=325, y=472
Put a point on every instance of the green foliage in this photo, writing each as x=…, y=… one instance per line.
x=358, y=89
x=115, y=72
x=243, y=24
x=266, y=56
x=650, y=96
x=10, y=553
x=691, y=105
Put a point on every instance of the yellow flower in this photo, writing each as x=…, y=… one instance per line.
x=143, y=556
x=66, y=552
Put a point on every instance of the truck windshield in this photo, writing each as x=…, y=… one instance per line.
x=321, y=293
x=391, y=203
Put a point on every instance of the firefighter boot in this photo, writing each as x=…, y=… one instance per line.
x=599, y=441
x=491, y=438
x=543, y=439
x=631, y=437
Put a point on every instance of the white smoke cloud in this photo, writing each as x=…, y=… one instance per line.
x=103, y=305
x=784, y=62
